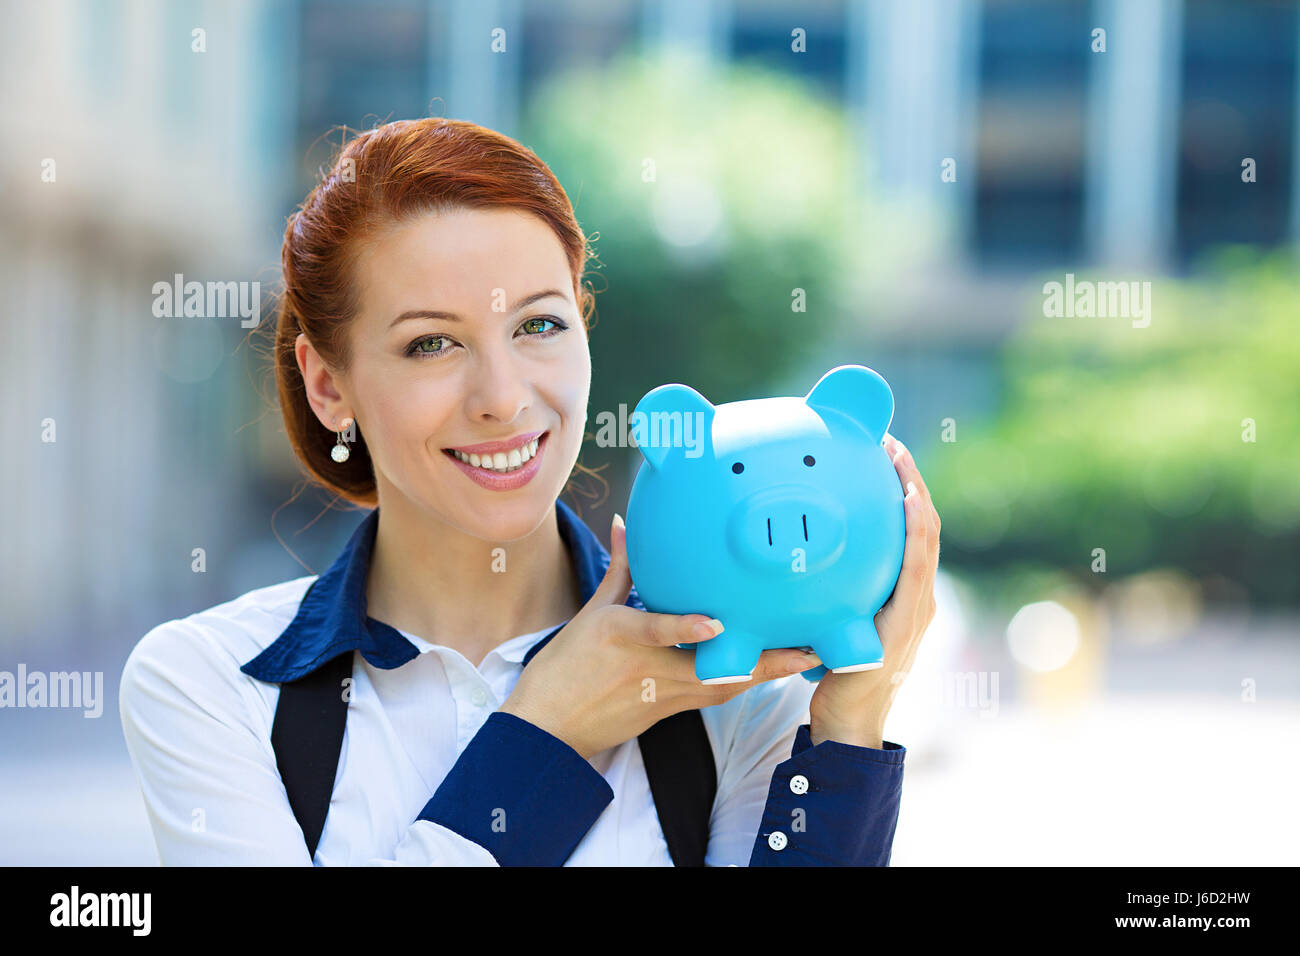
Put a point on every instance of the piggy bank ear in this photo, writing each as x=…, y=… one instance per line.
x=859, y=393
x=672, y=416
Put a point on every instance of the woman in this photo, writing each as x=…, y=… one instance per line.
x=432, y=364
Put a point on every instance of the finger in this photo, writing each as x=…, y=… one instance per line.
x=781, y=662
x=901, y=458
x=907, y=471
x=902, y=625
x=927, y=605
x=615, y=586
x=673, y=671
x=662, y=630
x=915, y=572
x=890, y=444
x=905, y=464
x=678, y=665
x=772, y=665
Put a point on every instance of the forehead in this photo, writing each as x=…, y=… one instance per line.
x=455, y=260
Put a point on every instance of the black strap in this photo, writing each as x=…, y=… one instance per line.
x=683, y=781
x=307, y=736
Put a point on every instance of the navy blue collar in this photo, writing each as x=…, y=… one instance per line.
x=332, y=617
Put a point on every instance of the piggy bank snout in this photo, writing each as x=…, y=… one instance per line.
x=766, y=528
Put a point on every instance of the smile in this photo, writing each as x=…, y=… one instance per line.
x=504, y=462
x=500, y=467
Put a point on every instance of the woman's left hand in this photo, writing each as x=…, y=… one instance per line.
x=851, y=708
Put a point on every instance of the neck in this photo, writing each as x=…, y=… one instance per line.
x=434, y=580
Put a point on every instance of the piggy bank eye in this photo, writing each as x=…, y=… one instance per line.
x=809, y=460
x=737, y=467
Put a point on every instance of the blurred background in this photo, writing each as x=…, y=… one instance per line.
x=1113, y=676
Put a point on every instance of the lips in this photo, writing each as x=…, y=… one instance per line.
x=492, y=447
x=509, y=469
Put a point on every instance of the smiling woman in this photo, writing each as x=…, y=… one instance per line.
x=381, y=712
x=426, y=232
x=466, y=362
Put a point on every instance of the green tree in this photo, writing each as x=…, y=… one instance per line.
x=1133, y=440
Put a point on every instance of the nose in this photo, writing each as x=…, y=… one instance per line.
x=766, y=528
x=498, y=389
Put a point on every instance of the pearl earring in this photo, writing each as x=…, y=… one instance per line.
x=340, y=452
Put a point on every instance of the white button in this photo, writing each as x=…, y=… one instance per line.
x=798, y=783
x=478, y=697
x=776, y=840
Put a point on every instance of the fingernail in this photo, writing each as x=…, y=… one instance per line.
x=712, y=627
x=808, y=662
x=618, y=520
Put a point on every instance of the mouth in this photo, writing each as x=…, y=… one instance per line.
x=502, y=465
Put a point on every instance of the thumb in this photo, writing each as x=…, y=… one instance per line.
x=617, y=583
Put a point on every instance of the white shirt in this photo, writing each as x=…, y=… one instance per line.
x=198, y=731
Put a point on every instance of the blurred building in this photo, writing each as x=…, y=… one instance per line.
x=169, y=160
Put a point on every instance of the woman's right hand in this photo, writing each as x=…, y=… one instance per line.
x=613, y=671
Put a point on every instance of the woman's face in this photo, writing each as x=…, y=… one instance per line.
x=468, y=333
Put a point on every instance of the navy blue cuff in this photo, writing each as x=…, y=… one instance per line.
x=889, y=753
x=523, y=794
x=834, y=804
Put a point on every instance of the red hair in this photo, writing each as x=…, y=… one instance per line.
x=380, y=176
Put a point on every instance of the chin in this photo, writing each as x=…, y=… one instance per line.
x=512, y=521
x=494, y=516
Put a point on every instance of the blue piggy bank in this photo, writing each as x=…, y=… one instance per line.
x=781, y=517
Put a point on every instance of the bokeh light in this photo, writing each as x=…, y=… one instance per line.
x=1043, y=636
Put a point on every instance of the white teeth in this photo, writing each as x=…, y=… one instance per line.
x=502, y=461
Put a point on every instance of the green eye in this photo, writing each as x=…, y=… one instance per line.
x=529, y=327
x=420, y=345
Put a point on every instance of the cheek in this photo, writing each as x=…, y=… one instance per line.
x=566, y=391
x=569, y=399
x=574, y=388
x=401, y=413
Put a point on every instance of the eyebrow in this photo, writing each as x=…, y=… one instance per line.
x=453, y=317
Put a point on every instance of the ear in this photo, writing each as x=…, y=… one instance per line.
x=659, y=422
x=859, y=393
